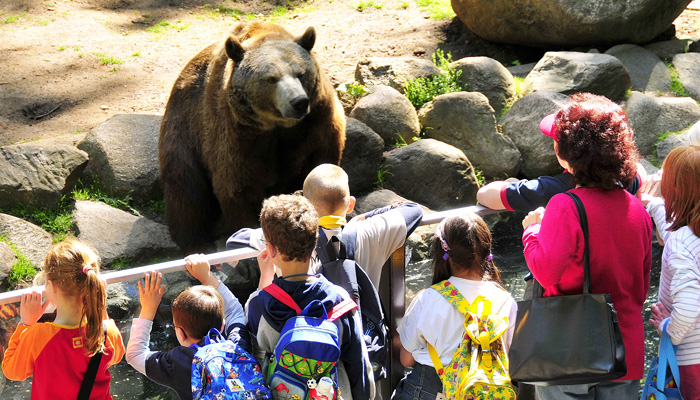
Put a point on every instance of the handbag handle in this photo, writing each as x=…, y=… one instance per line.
x=667, y=360
x=583, y=220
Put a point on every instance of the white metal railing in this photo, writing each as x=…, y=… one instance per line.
x=217, y=258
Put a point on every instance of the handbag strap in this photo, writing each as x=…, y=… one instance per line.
x=667, y=360
x=587, y=288
x=91, y=373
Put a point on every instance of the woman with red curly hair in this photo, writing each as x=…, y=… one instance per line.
x=593, y=140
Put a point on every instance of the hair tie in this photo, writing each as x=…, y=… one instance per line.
x=443, y=243
x=489, y=257
x=87, y=268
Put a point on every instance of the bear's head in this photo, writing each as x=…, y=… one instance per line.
x=274, y=79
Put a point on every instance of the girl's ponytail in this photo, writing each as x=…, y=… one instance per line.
x=74, y=268
x=94, y=305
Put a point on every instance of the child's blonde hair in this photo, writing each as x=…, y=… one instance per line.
x=680, y=188
x=74, y=268
x=327, y=188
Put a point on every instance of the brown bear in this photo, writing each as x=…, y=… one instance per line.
x=248, y=117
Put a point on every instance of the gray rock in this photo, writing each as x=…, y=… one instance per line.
x=688, y=68
x=31, y=241
x=122, y=299
x=432, y=173
x=362, y=156
x=378, y=199
x=489, y=77
x=570, y=72
x=388, y=113
x=652, y=116
x=669, y=143
x=124, y=155
x=522, y=125
x=521, y=70
x=647, y=71
x=7, y=260
x=568, y=23
x=667, y=49
x=34, y=174
x=465, y=120
x=649, y=167
x=393, y=71
x=116, y=234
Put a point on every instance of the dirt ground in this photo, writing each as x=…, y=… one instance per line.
x=68, y=65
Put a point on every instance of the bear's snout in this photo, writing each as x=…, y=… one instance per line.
x=301, y=104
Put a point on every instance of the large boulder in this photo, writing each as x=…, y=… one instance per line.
x=647, y=71
x=652, y=116
x=117, y=234
x=393, y=71
x=362, y=156
x=568, y=23
x=489, y=77
x=688, y=67
x=432, y=173
x=124, y=155
x=31, y=241
x=39, y=175
x=466, y=121
x=521, y=124
x=388, y=113
x=570, y=72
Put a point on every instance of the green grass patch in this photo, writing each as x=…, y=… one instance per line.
x=93, y=191
x=677, y=87
x=43, y=22
x=22, y=269
x=162, y=27
x=519, y=93
x=404, y=5
x=109, y=60
x=14, y=18
x=382, y=173
x=76, y=48
x=122, y=263
x=422, y=90
x=62, y=47
x=479, y=177
x=136, y=54
x=355, y=89
x=437, y=9
x=367, y=4
x=57, y=222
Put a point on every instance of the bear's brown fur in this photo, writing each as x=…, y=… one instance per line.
x=247, y=118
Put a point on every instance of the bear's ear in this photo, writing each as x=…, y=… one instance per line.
x=308, y=39
x=234, y=50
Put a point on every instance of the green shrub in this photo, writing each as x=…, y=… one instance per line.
x=57, y=222
x=422, y=90
x=676, y=85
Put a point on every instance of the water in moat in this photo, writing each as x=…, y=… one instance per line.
x=127, y=383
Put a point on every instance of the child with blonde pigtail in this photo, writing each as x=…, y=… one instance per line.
x=57, y=353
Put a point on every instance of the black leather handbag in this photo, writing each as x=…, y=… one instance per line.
x=567, y=340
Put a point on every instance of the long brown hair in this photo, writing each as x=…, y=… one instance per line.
x=680, y=188
x=463, y=242
x=74, y=267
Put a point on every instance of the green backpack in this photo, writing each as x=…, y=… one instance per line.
x=479, y=367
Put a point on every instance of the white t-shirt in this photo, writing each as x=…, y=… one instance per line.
x=432, y=319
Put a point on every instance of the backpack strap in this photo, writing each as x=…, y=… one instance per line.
x=341, y=308
x=452, y=295
x=279, y=294
x=436, y=360
x=91, y=373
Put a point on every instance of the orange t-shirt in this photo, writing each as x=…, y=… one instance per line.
x=55, y=356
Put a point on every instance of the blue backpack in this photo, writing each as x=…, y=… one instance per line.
x=221, y=369
x=303, y=364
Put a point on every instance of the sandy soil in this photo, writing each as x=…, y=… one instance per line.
x=67, y=65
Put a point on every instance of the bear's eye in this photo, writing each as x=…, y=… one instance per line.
x=272, y=80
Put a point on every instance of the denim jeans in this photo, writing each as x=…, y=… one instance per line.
x=422, y=383
x=610, y=390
